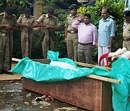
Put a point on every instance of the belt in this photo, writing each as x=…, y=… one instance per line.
x=85, y=43
x=126, y=39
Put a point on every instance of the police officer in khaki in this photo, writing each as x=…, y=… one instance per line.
x=25, y=22
x=126, y=30
x=71, y=36
x=7, y=24
x=49, y=24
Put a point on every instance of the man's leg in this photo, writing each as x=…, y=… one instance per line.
x=105, y=50
x=24, y=44
x=81, y=56
x=75, y=48
x=100, y=53
x=69, y=44
x=45, y=46
x=7, y=56
x=2, y=43
x=88, y=53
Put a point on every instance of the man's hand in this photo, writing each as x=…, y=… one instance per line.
x=80, y=18
x=24, y=25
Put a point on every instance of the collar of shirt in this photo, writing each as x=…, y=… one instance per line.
x=86, y=24
x=107, y=19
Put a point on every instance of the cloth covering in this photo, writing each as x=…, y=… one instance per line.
x=49, y=73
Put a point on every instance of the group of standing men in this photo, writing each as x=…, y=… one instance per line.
x=82, y=36
x=7, y=24
x=27, y=23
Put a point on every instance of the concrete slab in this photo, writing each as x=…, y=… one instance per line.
x=7, y=77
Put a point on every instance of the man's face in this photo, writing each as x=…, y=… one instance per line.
x=27, y=15
x=104, y=13
x=86, y=20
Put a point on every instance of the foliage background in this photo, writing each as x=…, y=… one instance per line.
x=116, y=10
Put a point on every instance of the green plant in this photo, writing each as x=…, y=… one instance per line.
x=116, y=10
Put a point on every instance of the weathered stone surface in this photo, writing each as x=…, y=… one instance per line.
x=14, y=98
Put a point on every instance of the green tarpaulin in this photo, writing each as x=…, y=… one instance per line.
x=50, y=73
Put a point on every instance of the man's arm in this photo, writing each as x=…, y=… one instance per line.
x=38, y=23
x=95, y=36
x=19, y=22
x=75, y=24
x=112, y=29
x=3, y=26
x=40, y=19
x=112, y=34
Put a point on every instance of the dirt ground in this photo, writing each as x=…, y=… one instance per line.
x=14, y=98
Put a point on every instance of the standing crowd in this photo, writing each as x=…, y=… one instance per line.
x=81, y=35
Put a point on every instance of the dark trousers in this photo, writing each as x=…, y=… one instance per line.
x=85, y=53
x=5, y=53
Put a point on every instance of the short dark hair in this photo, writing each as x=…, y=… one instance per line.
x=127, y=13
x=87, y=15
x=9, y=10
x=27, y=10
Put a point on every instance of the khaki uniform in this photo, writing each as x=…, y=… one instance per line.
x=72, y=38
x=126, y=36
x=49, y=34
x=6, y=43
x=26, y=37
